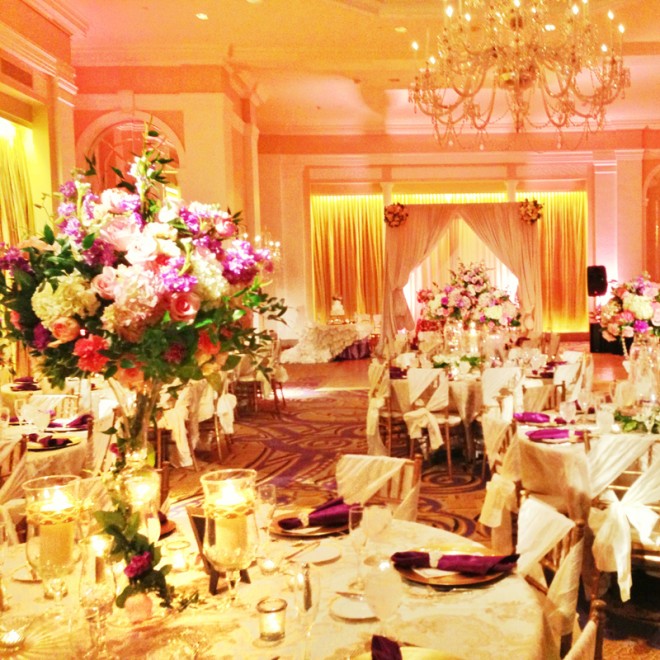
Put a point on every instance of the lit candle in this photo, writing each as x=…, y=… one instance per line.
x=272, y=616
x=229, y=514
x=56, y=517
x=178, y=555
x=11, y=639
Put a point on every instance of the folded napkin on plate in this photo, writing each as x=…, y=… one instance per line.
x=24, y=379
x=383, y=648
x=79, y=422
x=551, y=434
x=48, y=440
x=24, y=387
x=468, y=564
x=554, y=363
x=531, y=417
x=331, y=514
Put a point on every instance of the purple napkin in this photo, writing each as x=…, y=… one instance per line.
x=531, y=417
x=25, y=387
x=24, y=379
x=468, y=564
x=550, y=434
x=383, y=648
x=48, y=440
x=331, y=514
x=79, y=422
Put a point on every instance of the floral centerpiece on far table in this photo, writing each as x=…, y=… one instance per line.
x=146, y=291
x=634, y=308
x=469, y=296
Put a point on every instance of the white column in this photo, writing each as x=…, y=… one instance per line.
x=605, y=213
x=630, y=210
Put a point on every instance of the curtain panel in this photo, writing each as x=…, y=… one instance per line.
x=347, y=247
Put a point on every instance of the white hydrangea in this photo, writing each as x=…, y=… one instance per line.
x=211, y=283
x=73, y=297
x=494, y=313
x=639, y=305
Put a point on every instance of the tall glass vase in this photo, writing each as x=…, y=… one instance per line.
x=642, y=365
x=138, y=481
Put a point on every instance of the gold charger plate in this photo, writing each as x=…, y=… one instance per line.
x=36, y=446
x=453, y=579
x=415, y=653
x=305, y=532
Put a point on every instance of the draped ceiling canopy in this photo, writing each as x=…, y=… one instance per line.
x=500, y=226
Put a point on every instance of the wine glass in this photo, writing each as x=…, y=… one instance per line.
x=231, y=536
x=383, y=590
x=567, y=411
x=376, y=520
x=97, y=591
x=5, y=417
x=358, y=541
x=307, y=596
x=266, y=504
x=647, y=413
x=584, y=399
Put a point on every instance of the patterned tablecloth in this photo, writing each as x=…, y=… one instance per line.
x=499, y=620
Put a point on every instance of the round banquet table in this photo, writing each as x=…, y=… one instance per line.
x=10, y=396
x=503, y=619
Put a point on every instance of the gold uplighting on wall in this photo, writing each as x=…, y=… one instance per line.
x=540, y=62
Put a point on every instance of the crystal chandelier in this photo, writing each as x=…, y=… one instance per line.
x=540, y=61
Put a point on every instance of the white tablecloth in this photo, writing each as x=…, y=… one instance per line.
x=503, y=620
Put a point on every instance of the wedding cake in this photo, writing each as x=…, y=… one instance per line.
x=337, y=308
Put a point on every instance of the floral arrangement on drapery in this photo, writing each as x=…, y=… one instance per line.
x=148, y=293
x=470, y=296
x=634, y=308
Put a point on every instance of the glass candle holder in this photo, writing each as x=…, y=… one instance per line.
x=272, y=619
x=178, y=555
x=13, y=630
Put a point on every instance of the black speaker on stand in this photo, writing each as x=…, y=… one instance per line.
x=596, y=286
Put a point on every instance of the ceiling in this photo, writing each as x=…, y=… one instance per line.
x=326, y=66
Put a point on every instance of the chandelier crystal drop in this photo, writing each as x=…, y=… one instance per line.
x=540, y=61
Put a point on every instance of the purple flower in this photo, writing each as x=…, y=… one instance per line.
x=241, y=262
x=139, y=564
x=66, y=209
x=14, y=258
x=68, y=189
x=173, y=280
x=100, y=254
x=41, y=337
x=190, y=219
x=71, y=227
x=88, y=205
x=212, y=244
x=640, y=326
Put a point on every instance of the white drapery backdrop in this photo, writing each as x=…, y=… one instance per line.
x=499, y=226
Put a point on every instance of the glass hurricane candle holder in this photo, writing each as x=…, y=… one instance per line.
x=53, y=509
x=231, y=536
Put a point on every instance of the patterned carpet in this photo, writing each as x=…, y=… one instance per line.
x=298, y=451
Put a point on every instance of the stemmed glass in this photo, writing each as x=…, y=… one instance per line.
x=376, y=520
x=97, y=591
x=52, y=507
x=266, y=504
x=308, y=596
x=358, y=541
x=5, y=417
x=584, y=399
x=383, y=591
x=231, y=537
x=647, y=413
x=567, y=411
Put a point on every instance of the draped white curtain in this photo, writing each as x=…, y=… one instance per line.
x=499, y=226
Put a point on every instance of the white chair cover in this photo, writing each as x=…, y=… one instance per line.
x=498, y=382
x=571, y=357
x=612, y=527
x=175, y=419
x=12, y=489
x=571, y=375
x=585, y=646
x=225, y=412
x=561, y=604
x=359, y=477
x=379, y=386
x=540, y=528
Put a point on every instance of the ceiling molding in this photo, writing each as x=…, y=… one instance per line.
x=26, y=51
x=60, y=14
x=146, y=55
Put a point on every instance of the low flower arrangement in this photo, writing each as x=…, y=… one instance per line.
x=470, y=296
x=634, y=308
x=449, y=361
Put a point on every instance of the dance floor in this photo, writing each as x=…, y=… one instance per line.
x=324, y=417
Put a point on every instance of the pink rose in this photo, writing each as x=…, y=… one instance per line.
x=226, y=228
x=184, y=306
x=65, y=329
x=120, y=232
x=141, y=249
x=119, y=201
x=104, y=283
x=655, y=319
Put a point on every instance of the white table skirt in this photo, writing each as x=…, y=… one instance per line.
x=503, y=620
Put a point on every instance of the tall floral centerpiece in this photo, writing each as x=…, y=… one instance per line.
x=469, y=296
x=145, y=291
